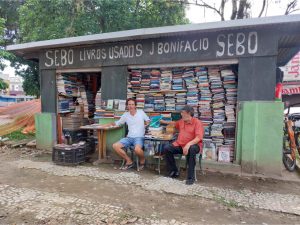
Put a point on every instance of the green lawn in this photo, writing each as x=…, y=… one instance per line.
x=18, y=135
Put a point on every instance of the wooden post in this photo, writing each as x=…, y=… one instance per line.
x=99, y=144
x=59, y=129
x=104, y=144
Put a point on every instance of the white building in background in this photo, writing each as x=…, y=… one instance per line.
x=15, y=84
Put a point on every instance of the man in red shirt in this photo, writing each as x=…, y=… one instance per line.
x=188, y=143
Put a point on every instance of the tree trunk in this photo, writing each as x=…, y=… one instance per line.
x=234, y=10
x=241, y=11
x=262, y=8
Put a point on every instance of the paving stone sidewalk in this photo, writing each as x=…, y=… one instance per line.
x=286, y=203
x=53, y=208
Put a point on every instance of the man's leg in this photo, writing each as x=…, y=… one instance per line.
x=193, y=151
x=118, y=147
x=140, y=153
x=170, y=150
x=138, y=149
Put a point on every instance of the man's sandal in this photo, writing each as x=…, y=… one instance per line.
x=127, y=167
x=142, y=166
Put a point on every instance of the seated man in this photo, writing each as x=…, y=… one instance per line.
x=188, y=143
x=135, y=120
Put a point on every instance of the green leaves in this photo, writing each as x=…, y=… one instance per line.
x=3, y=84
x=49, y=19
x=36, y=20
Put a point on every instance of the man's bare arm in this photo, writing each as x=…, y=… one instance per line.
x=167, y=122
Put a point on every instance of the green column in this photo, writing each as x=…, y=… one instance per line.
x=259, y=137
x=45, y=125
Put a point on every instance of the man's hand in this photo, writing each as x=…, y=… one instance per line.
x=162, y=121
x=186, y=148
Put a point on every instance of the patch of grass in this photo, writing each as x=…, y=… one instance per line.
x=18, y=135
x=225, y=202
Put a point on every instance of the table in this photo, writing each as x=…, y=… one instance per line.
x=101, y=136
x=157, y=142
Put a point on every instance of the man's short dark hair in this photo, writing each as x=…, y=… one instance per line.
x=189, y=109
x=131, y=99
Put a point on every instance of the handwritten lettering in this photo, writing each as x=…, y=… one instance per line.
x=237, y=44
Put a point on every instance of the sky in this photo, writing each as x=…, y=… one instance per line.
x=9, y=70
x=198, y=14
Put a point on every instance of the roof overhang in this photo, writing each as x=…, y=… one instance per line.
x=286, y=48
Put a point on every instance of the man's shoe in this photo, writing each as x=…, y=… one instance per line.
x=174, y=174
x=190, y=181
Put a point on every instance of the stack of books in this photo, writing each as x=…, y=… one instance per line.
x=170, y=101
x=159, y=102
x=180, y=101
x=230, y=86
x=145, y=80
x=217, y=105
x=140, y=101
x=155, y=80
x=60, y=83
x=135, y=79
x=166, y=80
x=205, y=97
x=82, y=100
x=191, y=85
x=177, y=81
x=149, y=103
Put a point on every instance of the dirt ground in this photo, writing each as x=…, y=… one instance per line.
x=139, y=202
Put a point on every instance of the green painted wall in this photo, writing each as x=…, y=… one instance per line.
x=259, y=137
x=45, y=125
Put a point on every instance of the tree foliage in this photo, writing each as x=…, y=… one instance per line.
x=35, y=20
x=2, y=52
x=50, y=19
x=3, y=84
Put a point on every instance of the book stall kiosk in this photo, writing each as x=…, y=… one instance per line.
x=225, y=70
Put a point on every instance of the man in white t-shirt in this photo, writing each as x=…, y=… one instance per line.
x=136, y=121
